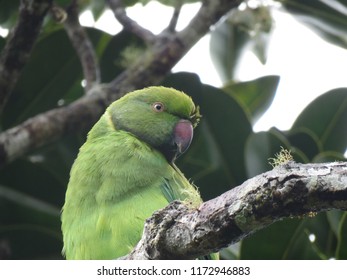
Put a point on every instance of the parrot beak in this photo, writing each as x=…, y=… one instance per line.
x=182, y=136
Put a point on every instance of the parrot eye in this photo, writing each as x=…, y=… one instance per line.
x=158, y=107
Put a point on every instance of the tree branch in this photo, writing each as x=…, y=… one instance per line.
x=174, y=19
x=149, y=69
x=130, y=25
x=19, y=44
x=83, y=47
x=289, y=190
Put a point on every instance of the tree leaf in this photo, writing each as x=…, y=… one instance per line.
x=247, y=28
x=47, y=78
x=32, y=226
x=334, y=218
x=305, y=140
x=327, y=18
x=260, y=147
x=256, y=96
x=270, y=243
x=227, y=43
x=328, y=156
x=326, y=117
x=341, y=252
x=293, y=239
x=8, y=13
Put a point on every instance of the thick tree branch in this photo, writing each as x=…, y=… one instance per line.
x=19, y=44
x=149, y=69
x=83, y=47
x=289, y=190
x=52, y=125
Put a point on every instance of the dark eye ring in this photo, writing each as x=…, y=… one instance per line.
x=158, y=107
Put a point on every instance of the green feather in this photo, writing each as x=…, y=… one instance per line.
x=122, y=174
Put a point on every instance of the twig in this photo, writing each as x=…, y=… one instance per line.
x=19, y=44
x=83, y=47
x=149, y=69
x=129, y=24
x=290, y=190
x=168, y=49
x=174, y=19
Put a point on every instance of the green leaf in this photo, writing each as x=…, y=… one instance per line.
x=341, y=252
x=256, y=96
x=334, y=218
x=293, y=239
x=327, y=18
x=216, y=154
x=230, y=253
x=326, y=117
x=51, y=75
x=313, y=239
x=305, y=140
x=227, y=43
x=31, y=177
x=8, y=12
x=270, y=243
x=260, y=147
x=31, y=230
x=247, y=28
x=328, y=156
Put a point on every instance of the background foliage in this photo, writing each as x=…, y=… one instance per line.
x=225, y=151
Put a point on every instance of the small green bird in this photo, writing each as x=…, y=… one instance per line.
x=125, y=171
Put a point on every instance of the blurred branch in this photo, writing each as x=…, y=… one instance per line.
x=149, y=69
x=19, y=44
x=174, y=19
x=289, y=190
x=83, y=46
x=128, y=24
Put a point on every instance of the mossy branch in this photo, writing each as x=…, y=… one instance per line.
x=289, y=190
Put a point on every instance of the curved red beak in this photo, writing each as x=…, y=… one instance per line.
x=182, y=136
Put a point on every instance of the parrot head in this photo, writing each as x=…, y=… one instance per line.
x=162, y=117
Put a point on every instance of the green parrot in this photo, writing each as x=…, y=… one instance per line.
x=125, y=171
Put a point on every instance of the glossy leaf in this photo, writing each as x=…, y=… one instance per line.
x=48, y=78
x=270, y=243
x=244, y=29
x=8, y=12
x=227, y=43
x=305, y=140
x=33, y=226
x=327, y=18
x=309, y=238
x=326, y=117
x=45, y=186
x=341, y=252
x=256, y=96
x=260, y=147
x=313, y=239
x=328, y=156
x=334, y=218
